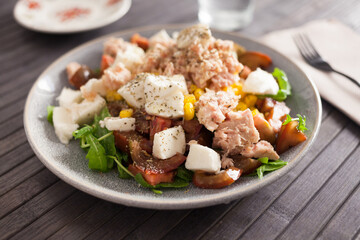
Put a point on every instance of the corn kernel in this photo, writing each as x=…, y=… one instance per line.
x=192, y=89
x=250, y=100
x=189, y=111
x=237, y=88
x=113, y=96
x=126, y=113
x=241, y=106
x=225, y=89
x=255, y=112
x=198, y=92
x=189, y=98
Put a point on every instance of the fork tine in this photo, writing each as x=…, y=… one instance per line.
x=310, y=46
x=300, y=45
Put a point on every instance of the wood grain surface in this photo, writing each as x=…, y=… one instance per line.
x=318, y=199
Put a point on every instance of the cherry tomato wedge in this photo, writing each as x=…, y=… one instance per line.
x=81, y=76
x=151, y=178
x=289, y=136
x=264, y=128
x=106, y=61
x=255, y=59
x=225, y=178
x=141, y=41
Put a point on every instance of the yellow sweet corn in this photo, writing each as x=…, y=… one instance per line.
x=225, y=89
x=237, y=88
x=255, y=112
x=189, y=98
x=250, y=100
x=192, y=89
x=241, y=106
x=126, y=113
x=113, y=96
x=189, y=111
x=198, y=92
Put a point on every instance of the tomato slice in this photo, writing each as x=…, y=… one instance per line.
x=225, y=178
x=152, y=178
x=158, y=124
x=106, y=61
x=255, y=59
x=265, y=130
x=289, y=136
x=122, y=140
x=141, y=41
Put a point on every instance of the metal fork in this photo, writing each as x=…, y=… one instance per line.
x=311, y=56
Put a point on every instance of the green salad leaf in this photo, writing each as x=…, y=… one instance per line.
x=83, y=131
x=184, y=173
x=123, y=171
x=301, y=119
x=269, y=166
x=96, y=154
x=50, y=111
x=284, y=85
x=109, y=142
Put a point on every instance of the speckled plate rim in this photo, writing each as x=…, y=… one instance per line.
x=111, y=19
x=128, y=199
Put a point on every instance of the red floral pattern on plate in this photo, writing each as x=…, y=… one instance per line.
x=112, y=2
x=73, y=13
x=33, y=4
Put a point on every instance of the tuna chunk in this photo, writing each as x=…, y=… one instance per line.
x=259, y=150
x=116, y=76
x=113, y=45
x=236, y=133
x=212, y=108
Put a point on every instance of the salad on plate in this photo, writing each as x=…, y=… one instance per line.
x=171, y=110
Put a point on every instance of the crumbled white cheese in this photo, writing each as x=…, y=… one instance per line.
x=63, y=124
x=118, y=124
x=164, y=96
x=92, y=88
x=133, y=91
x=203, y=158
x=68, y=97
x=85, y=111
x=169, y=142
x=260, y=82
x=132, y=57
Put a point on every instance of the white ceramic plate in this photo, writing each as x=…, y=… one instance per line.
x=69, y=16
x=68, y=161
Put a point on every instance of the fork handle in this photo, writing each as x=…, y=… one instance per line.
x=350, y=78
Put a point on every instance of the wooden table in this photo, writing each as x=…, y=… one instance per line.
x=319, y=198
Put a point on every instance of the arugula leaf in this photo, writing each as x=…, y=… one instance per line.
x=82, y=131
x=50, y=111
x=110, y=162
x=301, y=119
x=96, y=154
x=139, y=178
x=157, y=191
x=264, y=160
x=123, y=172
x=109, y=142
x=269, y=167
x=178, y=183
x=302, y=123
x=284, y=85
x=184, y=173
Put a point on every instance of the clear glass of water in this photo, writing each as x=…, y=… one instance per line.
x=226, y=14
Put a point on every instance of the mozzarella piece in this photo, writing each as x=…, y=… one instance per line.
x=85, y=111
x=132, y=57
x=203, y=158
x=169, y=142
x=63, y=124
x=118, y=124
x=260, y=82
x=68, y=97
x=133, y=91
x=164, y=96
x=92, y=88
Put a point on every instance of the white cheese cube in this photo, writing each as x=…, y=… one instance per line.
x=68, y=97
x=164, y=96
x=63, y=124
x=203, y=158
x=85, y=111
x=133, y=91
x=92, y=88
x=132, y=57
x=169, y=142
x=260, y=82
x=118, y=124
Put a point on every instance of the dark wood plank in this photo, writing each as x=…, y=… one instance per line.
x=301, y=191
x=15, y=157
x=251, y=208
x=346, y=222
x=26, y=190
x=125, y=222
x=88, y=221
x=19, y=174
x=12, y=141
x=327, y=201
x=12, y=110
x=11, y=125
x=158, y=225
x=37, y=206
x=58, y=217
x=16, y=94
